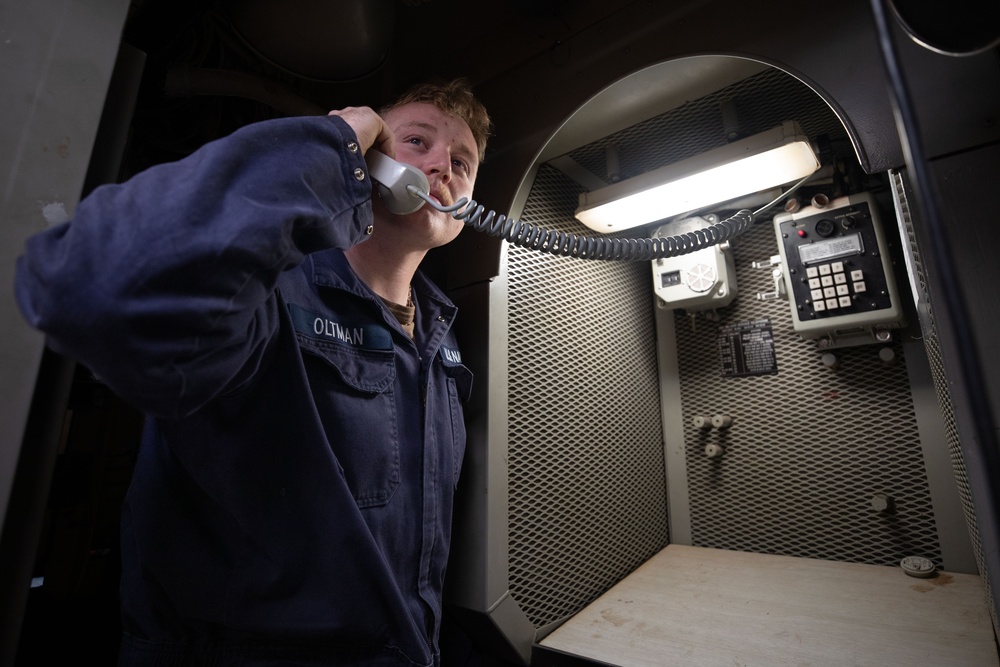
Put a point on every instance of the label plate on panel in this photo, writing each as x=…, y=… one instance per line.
x=747, y=349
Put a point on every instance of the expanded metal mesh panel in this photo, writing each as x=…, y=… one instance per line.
x=761, y=102
x=809, y=447
x=585, y=448
x=932, y=345
x=808, y=450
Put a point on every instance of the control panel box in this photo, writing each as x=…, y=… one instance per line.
x=838, y=272
x=701, y=280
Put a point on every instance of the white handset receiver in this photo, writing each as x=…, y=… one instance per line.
x=393, y=179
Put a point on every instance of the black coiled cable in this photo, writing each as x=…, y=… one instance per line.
x=565, y=244
x=584, y=247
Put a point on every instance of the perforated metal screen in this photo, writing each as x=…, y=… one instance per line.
x=586, y=472
x=761, y=103
x=932, y=345
x=809, y=447
x=808, y=450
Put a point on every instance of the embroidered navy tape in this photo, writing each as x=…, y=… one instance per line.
x=451, y=356
x=368, y=336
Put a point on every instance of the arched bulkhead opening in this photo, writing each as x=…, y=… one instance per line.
x=600, y=465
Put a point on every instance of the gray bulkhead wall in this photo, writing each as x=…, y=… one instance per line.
x=65, y=54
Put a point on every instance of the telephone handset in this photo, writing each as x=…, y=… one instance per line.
x=404, y=189
x=393, y=179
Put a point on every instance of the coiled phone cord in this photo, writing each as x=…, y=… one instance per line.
x=565, y=244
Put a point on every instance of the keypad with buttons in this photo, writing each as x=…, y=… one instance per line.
x=831, y=287
x=839, y=271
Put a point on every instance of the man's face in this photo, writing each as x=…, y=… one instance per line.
x=442, y=146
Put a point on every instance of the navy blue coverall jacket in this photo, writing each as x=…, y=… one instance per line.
x=292, y=499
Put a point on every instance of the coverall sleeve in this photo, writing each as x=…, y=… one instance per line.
x=164, y=285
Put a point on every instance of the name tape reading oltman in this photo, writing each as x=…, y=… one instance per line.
x=364, y=335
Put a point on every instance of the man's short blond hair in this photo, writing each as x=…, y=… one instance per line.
x=453, y=97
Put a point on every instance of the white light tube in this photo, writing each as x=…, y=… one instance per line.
x=760, y=162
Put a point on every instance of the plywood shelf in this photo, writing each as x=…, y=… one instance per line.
x=694, y=606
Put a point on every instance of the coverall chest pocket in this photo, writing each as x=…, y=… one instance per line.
x=353, y=391
x=459, y=382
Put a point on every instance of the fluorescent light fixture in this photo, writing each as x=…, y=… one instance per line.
x=760, y=162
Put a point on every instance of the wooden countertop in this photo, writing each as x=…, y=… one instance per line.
x=694, y=606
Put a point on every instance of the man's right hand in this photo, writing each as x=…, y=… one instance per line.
x=371, y=130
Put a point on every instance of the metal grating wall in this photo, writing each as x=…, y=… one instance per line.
x=585, y=448
x=761, y=102
x=932, y=345
x=809, y=447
